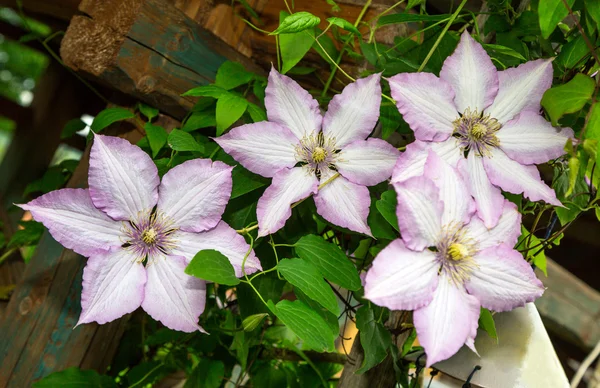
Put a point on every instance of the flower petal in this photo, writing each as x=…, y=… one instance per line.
x=288, y=186
x=291, y=106
x=503, y=280
x=419, y=212
x=173, y=297
x=263, y=148
x=426, y=104
x=488, y=197
x=521, y=89
x=412, y=161
x=448, y=322
x=516, y=178
x=73, y=221
x=352, y=115
x=123, y=179
x=458, y=204
x=472, y=74
x=223, y=239
x=113, y=285
x=344, y=203
x=367, y=162
x=401, y=279
x=194, y=194
x=530, y=139
x=507, y=231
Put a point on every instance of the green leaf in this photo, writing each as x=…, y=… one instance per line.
x=147, y=110
x=389, y=118
x=252, y=322
x=306, y=277
x=257, y=113
x=72, y=127
x=30, y=234
x=157, y=137
x=230, y=108
x=486, y=322
x=75, y=377
x=231, y=75
x=293, y=47
x=306, y=324
x=374, y=338
x=296, y=22
x=269, y=376
x=344, y=24
x=536, y=254
x=110, y=116
x=329, y=259
x=380, y=228
x=245, y=181
x=564, y=181
x=387, y=207
x=206, y=91
x=182, y=141
x=552, y=12
x=593, y=8
x=207, y=374
x=410, y=18
x=572, y=53
x=198, y=120
x=568, y=98
x=496, y=49
x=212, y=265
x=330, y=318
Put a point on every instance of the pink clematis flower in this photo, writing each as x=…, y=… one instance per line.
x=447, y=263
x=128, y=217
x=492, y=117
x=296, y=134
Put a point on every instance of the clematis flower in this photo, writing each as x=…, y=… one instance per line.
x=491, y=117
x=128, y=217
x=303, y=152
x=448, y=264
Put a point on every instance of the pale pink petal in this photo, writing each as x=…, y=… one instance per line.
x=173, y=297
x=344, y=203
x=288, y=186
x=448, y=322
x=223, y=239
x=291, y=106
x=367, y=162
x=123, y=179
x=73, y=221
x=194, y=194
x=521, y=88
x=113, y=285
x=503, y=279
x=530, y=139
x=401, y=279
x=458, y=204
x=412, y=161
x=426, y=104
x=516, y=178
x=507, y=231
x=419, y=212
x=472, y=74
x=352, y=114
x=263, y=148
x=488, y=197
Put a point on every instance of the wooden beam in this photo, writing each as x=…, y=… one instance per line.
x=148, y=49
x=58, y=9
x=569, y=307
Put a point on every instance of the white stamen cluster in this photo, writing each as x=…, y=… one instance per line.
x=317, y=152
x=476, y=132
x=455, y=253
x=150, y=233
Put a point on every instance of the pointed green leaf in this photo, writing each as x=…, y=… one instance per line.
x=329, y=259
x=552, y=12
x=344, y=24
x=231, y=75
x=157, y=137
x=213, y=266
x=198, y=120
x=306, y=277
x=252, y=322
x=110, y=116
x=568, y=98
x=374, y=338
x=387, y=207
x=296, y=22
x=182, y=141
x=71, y=128
x=147, y=110
x=486, y=322
x=206, y=91
x=230, y=108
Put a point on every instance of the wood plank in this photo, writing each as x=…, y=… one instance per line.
x=38, y=333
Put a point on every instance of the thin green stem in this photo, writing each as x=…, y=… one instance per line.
x=386, y=11
x=7, y=254
x=312, y=365
x=146, y=375
x=439, y=39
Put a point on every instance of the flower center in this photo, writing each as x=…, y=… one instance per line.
x=457, y=251
x=477, y=132
x=317, y=152
x=149, y=234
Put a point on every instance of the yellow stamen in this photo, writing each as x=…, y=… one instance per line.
x=479, y=130
x=319, y=154
x=149, y=236
x=458, y=251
